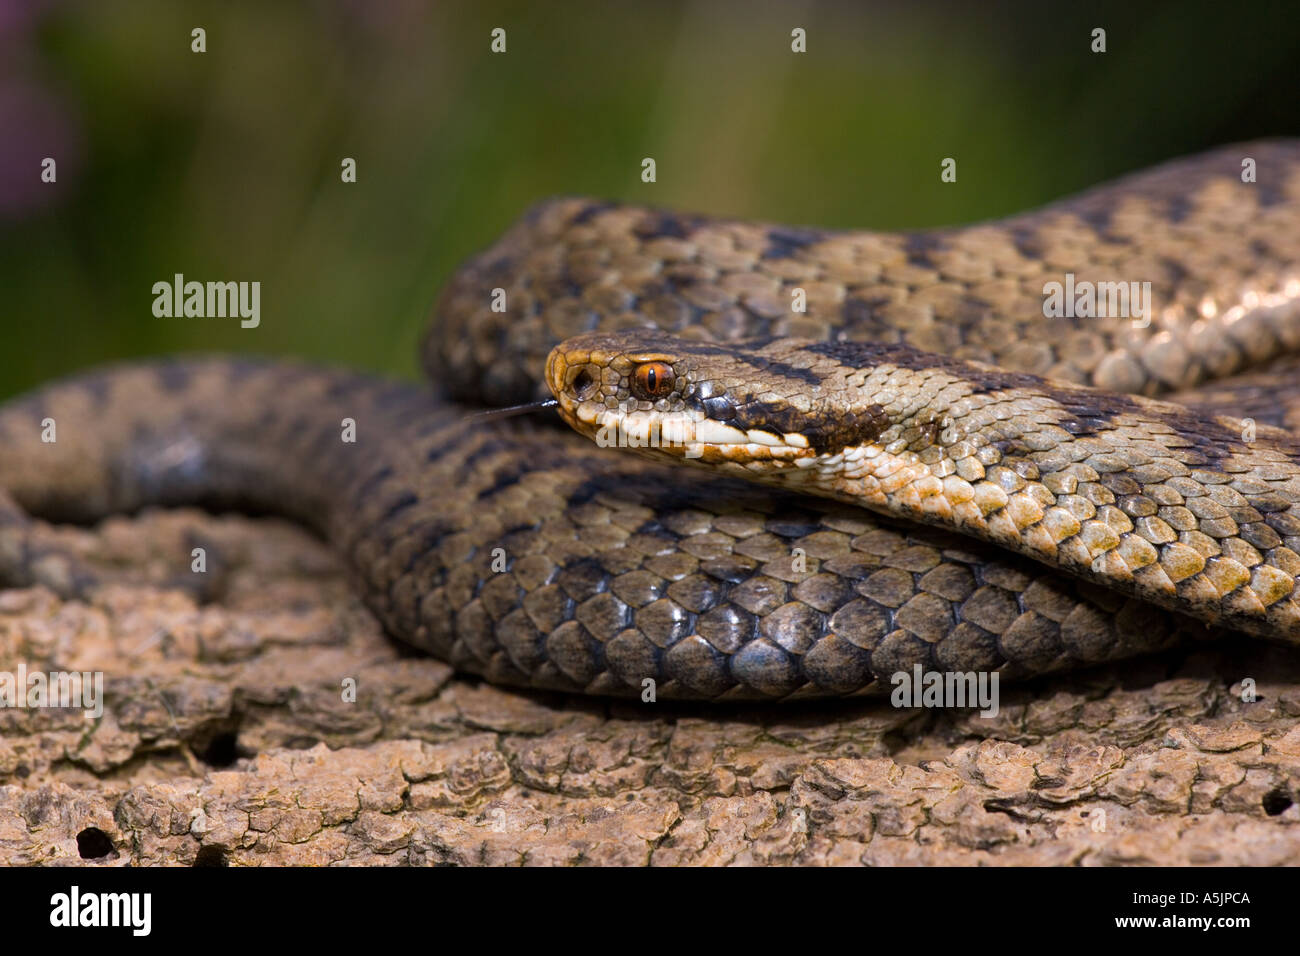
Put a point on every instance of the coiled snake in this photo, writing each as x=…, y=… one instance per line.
x=918, y=376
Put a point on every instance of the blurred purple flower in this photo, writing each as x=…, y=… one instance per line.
x=34, y=123
x=17, y=15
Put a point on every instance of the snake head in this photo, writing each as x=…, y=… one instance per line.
x=744, y=403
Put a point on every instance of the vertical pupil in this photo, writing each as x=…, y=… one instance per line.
x=650, y=379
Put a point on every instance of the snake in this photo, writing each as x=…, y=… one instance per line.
x=783, y=462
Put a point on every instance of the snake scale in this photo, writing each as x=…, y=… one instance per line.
x=1041, y=493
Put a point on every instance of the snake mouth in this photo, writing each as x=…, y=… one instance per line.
x=621, y=393
x=686, y=435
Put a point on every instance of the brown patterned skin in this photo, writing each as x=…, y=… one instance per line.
x=1142, y=496
x=617, y=569
x=614, y=573
x=1191, y=227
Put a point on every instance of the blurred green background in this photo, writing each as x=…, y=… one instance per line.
x=225, y=165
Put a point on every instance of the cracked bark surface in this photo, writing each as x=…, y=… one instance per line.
x=226, y=739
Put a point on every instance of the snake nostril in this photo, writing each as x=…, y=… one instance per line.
x=584, y=384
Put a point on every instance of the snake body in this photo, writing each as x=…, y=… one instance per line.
x=1031, y=504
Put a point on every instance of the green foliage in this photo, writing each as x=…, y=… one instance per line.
x=225, y=165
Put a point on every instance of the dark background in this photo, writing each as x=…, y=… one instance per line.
x=225, y=165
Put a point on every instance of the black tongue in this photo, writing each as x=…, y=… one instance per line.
x=514, y=410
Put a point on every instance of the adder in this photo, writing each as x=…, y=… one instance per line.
x=857, y=451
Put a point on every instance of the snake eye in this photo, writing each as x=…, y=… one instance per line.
x=653, y=380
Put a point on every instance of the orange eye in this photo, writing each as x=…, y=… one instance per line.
x=653, y=380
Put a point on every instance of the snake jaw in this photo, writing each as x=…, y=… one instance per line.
x=737, y=405
x=595, y=382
